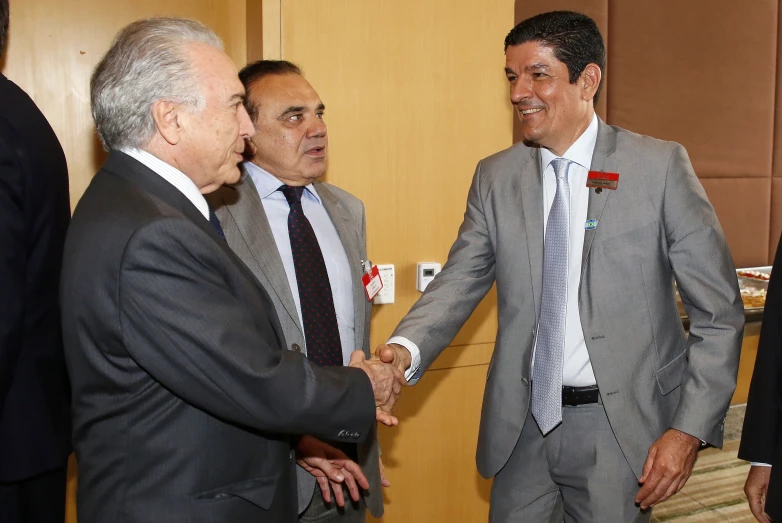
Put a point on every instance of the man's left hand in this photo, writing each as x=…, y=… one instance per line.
x=668, y=467
x=756, y=489
x=331, y=468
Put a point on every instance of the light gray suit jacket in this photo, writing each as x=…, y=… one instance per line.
x=656, y=227
x=249, y=235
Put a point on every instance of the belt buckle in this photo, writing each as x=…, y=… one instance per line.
x=575, y=396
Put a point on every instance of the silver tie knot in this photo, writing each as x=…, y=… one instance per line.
x=560, y=166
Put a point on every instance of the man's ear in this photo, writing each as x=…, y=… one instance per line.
x=167, y=116
x=590, y=80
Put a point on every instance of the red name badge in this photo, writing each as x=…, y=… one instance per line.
x=601, y=180
x=372, y=282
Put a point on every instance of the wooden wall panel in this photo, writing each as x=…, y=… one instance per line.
x=673, y=77
x=430, y=456
x=54, y=45
x=776, y=217
x=272, y=25
x=776, y=182
x=777, y=161
x=415, y=95
x=254, y=32
x=743, y=206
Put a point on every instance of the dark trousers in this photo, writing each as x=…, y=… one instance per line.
x=285, y=503
x=40, y=499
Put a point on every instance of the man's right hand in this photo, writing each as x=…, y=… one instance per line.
x=756, y=489
x=387, y=381
x=394, y=354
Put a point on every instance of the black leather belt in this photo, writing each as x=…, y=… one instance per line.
x=574, y=396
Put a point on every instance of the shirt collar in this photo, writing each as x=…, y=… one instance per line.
x=172, y=175
x=267, y=184
x=580, y=152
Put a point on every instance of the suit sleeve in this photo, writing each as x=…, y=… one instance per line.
x=707, y=282
x=183, y=325
x=13, y=260
x=451, y=297
x=761, y=433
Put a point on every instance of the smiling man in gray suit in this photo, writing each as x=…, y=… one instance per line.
x=593, y=386
x=261, y=217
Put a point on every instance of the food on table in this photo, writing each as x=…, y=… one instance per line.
x=754, y=275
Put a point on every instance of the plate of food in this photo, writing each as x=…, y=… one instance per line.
x=753, y=284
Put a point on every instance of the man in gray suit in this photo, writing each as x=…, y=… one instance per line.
x=184, y=399
x=593, y=386
x=290, y=150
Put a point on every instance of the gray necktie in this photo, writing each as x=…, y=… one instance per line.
x=550, y=347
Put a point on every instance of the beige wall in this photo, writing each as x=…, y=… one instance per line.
x=415, y=95
x=54, y=45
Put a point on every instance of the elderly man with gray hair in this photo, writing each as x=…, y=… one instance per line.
x=184, y=400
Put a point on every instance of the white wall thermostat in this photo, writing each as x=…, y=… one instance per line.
x=426, y=273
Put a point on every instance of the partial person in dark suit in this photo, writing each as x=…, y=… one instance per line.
x=290, y=151
x=34, y=396
x=761, y=437
x=184, y=398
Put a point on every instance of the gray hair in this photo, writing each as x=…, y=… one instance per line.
x=147, y=62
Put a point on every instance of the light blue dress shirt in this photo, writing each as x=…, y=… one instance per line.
x=337, y=266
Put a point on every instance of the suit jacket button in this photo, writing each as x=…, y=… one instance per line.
x=295, y=347
x=524, y=381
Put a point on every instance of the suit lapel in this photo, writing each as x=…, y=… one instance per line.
x=350, y=241
x=134, y=171
x=137, y=173
x=252, y=223
x=602, y=160
x=532, y=209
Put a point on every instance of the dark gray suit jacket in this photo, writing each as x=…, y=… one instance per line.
x=248, y=233
x=183, y=396
x=656, y=227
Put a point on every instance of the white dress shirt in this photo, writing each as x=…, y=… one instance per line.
x=337, y=265
x=173, y=176
x=577, y=369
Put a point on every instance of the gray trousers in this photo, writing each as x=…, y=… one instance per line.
x=320, y=512
x=576, y=473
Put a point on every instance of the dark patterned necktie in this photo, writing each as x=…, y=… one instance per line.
x=216, y=223
x=321, y=331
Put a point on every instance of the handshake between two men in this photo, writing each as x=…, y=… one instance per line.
x=386, y=370
x=331, y=467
